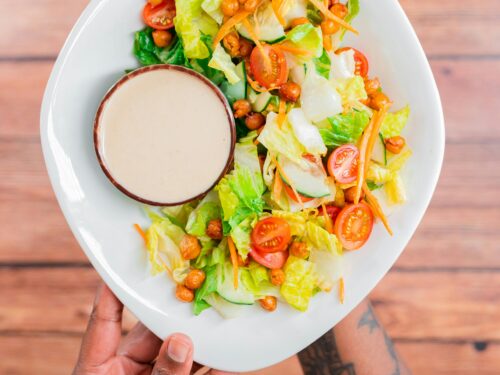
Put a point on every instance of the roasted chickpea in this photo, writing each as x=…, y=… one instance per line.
x=230, y=7
x=255, y=121
x=395, y=144
x=277, y=277
x=268, y=303
x=184, y=294
x=214, y=229
x=339, y=9
x=246, y=47
x=329, y=27
x=299, y=250
x=379, y=100
x=372, y=86
x=350, y=194
x=250, y=5
x=231, y=43
x=299, y=21
x=190, y=247
x=241, y=108
x=162, y=38
x=194, y=279
x=290, y=91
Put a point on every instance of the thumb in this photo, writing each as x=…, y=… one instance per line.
x=175, y=357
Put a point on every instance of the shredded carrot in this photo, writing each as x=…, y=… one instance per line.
x=375, y=206
x=277, y=187
x=258, y=44
x=276, y=5
x=281, y=113
x=362, y=157
x=341, y=290
x=228, y=25
x=328, y=219
x=326, y=12
x=327, y=43
x=141, y=232
x=255, y=85
x=286, y=47
x=283, y=175
x=234, y=260
x=374, y=134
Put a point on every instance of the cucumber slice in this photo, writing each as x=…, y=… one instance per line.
x=309, y=182
x=225, y=308
x=225, y=287
x=261, y=101
x=269, y=29
x=379, y=153
x=239, y=89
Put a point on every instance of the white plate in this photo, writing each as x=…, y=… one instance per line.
x=97, y=52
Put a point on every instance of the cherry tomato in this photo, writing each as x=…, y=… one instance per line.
x=270, y=72
x=161, y=16
x=343, y=164
x=354, y=225
x=271, y=235
x=293, y=197
x=272, y=261
x=360, y=60
x=332, y=211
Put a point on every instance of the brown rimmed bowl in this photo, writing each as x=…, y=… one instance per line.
x=146, y=69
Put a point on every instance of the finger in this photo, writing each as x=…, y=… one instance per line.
x=175, y=357
x=140, y=345
x=104, y=329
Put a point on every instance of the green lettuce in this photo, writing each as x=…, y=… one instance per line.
x=222, y=61
x=148, y=53
x=163, y=239
x=282, y=140
x=213, y=9
x=208, y=209
x=178, y=214
x=219, y=253
x=323, y=64
x=308, y=38
x=296, y=220
x=300, y=281
x=319, y=238
x=394, y=123
x=228, y=198
x=241, y=235
x=208, y=287
x=204, y=258
x=395, y=190
x=190, y=24
x=259, y=287
x=351, y=90
x=345, y=128
x=202, y=65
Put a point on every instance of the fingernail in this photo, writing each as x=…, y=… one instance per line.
x=178, y=349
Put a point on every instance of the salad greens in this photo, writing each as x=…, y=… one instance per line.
x=308, y=117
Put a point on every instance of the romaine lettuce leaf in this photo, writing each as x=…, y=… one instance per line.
x=292, y=9
x=219, y=253
x=351, y=90
x=342, y=65
x=241, y=235
x=300, y=280
x=178, y=215
x=323, y=64
x=297, y=221
x=395, y=190
x=209, y=286
x=394, y=123
x=204, y=258
x=329, y=267
x=254, y=280
x=222, y=61
x=228, y=198
x=306, y=133
x=308, y=38
x=208, y=209
x=213, y=9
x=319, y=238
x=345, y=128
x=148, y=53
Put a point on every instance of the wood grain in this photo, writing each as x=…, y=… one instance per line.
x=450, y=28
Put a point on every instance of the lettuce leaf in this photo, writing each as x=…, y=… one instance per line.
x=308, y=38
x=209, y=286
x=281, y=140
x=342, y=65
x=163, y=239
x=297, y=221
x=300, y=280
x=319, y=238
x=395, y=190
x=148, y=53
x=323, y=64
x=351, y=90
x=222, y=61
x=345, y=128
x=219, y=253
x=204, y=258
x=212, y=8
x=255, y=278
x=306, y=133
x=178, y=214
x=394, y=123
x=208, y=209
x=329, y=267
x=292, y=9
x=190, y=24
x=241, y=235
x=228, y=198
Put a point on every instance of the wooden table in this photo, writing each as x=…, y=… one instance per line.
x=440, y=302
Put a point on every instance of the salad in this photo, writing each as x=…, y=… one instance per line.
x=318, y=152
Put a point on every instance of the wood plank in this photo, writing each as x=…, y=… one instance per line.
x=443, y=305
x=450, y=28
x=458, y=81
x=460, y=228
x=411, y=305
x=54, y=355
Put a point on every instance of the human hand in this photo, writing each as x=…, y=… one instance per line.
x=104, y=352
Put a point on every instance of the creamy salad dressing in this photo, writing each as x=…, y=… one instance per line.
x=165, y=136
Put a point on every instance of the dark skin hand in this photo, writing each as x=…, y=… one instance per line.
x=104, y=351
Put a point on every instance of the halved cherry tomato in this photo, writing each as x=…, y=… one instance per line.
x=272, y=261
x=360, y=60
x=343, y=164
x=354, y=225
x=292, y=195
x=161, y=16
x=332, y=211
x=270, y=235
x=270, y=72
